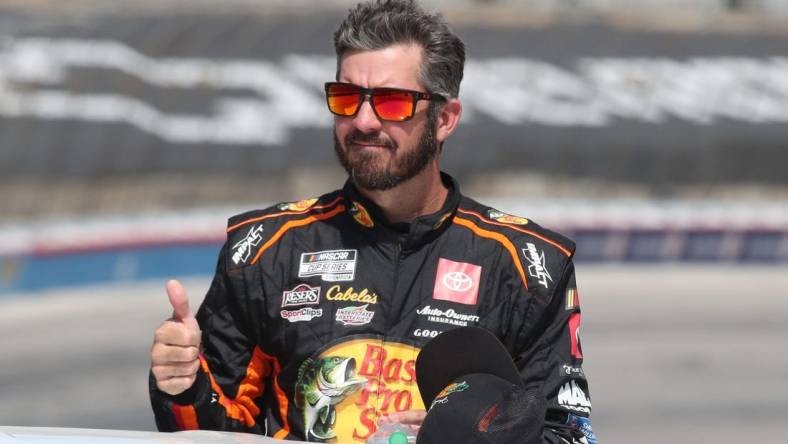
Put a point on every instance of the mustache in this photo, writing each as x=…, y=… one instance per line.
x=369, y=139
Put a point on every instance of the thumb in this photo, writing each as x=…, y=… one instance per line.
x=180, y=303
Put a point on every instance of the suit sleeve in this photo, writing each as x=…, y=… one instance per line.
x=549, y=356
x=227, y=393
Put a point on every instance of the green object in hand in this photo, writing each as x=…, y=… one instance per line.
x=398, y=438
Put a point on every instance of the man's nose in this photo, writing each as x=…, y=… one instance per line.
x=366, y=120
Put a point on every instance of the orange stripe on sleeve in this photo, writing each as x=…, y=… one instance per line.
x=500, y=238
x=295, y=224
x=281, y=396
x=252, y=385
x=185, y=417
x=522, y=230
x=284, y=213
x=243, y=407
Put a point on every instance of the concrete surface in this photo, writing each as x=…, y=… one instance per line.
x=673, y=353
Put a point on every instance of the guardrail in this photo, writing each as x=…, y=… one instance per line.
x=158, y=246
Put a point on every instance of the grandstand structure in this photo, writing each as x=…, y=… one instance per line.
x=137, y=109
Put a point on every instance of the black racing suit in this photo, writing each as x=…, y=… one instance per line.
x=318, y=309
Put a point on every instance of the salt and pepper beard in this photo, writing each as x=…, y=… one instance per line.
x=361, y=165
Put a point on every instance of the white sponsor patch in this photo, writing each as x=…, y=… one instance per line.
x=243, y=249
x=449, y=316
x=568, y=370
x=355, y=315
x=572, y=397
x=301, y=295
x=303, y=315
x=331, y=265
x=424, y=333
x=537, y=269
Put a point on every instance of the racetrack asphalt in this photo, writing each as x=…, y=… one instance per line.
x=674, y=353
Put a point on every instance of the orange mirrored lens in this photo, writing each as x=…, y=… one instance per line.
x=393, y=105
x=343, y=99
x=389, y=104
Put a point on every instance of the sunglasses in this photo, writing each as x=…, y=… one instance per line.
x=391, y=104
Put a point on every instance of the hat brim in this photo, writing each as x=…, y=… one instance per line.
x=459, y=352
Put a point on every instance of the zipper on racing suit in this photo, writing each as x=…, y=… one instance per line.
x=391, y=320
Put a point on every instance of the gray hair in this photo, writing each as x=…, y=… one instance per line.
x=376, y=25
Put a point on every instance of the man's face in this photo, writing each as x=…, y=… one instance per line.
x=379, y=154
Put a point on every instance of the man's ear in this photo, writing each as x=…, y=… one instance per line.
x=448, y=118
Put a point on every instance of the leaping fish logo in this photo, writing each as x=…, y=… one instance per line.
x=321, y=385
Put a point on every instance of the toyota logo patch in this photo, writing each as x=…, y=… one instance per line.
x=457, y=281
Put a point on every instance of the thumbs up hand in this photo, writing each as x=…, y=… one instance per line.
x=176, y=345
x=180, y=304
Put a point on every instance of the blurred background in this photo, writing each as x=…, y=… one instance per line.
x=654, y=133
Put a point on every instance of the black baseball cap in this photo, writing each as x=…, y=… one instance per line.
x=474, y=393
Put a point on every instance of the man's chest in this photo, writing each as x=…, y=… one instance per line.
x=328, y=289
x=346, y=316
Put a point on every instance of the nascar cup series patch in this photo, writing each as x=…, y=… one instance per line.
x=342, y=392
x=330, y=265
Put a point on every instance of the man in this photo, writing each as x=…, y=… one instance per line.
x=318, y=308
